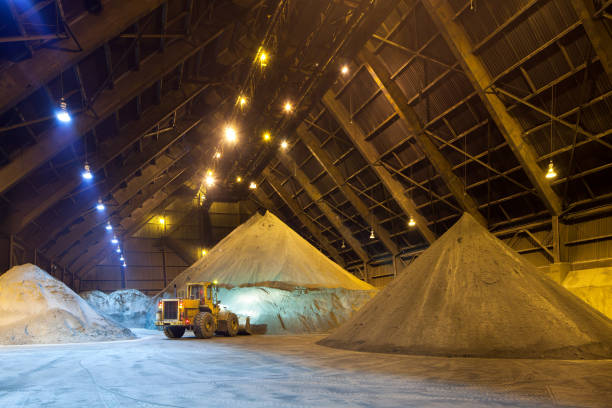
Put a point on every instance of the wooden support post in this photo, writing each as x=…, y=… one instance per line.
x=357, y=136
x=304, y=219
x=457, y=39
x=398, y=100
x=315, y=195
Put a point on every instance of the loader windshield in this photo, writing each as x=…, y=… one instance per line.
x=196, y=292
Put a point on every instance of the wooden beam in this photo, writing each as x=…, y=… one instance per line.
x=596, y=31
x=316, y=196
x=297, y=210
x=131, y=84
x=24, y=77
x=458, y=41
x=326, y=161
x=358, y=137
x=399, y=102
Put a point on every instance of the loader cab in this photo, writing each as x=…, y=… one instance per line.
x=206, y=292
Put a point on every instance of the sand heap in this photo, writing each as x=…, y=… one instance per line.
x=37, y=308
x=471, y=295
x=270, y=273
x=129, y=307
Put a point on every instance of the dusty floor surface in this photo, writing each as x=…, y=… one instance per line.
x=282, y=371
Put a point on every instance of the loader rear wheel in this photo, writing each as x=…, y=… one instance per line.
x=232, y=325
x=204, y=325
x=174, y=332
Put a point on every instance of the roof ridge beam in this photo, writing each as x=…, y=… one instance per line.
x=358, y=137
x=459, y=43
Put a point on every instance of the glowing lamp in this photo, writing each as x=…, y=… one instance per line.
x=230, y=134
x=344, y=70
x=204, y=252
x=109, y=227
x=121, y=258
x=124, y=264
x=62, y=113
x=238, y=179
x=210, y=180
x=411, y=222
x=252, y=186
x=100, y=206
x=267, y=136
x=372, y=234
x=114, y=240
x=288, y=107
x=162, y=220
x=551, y=173
x=217, y=155
x=118, y=250
x=284, y=145
x=86, y=174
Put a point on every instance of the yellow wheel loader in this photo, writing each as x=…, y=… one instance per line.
x=200, y=312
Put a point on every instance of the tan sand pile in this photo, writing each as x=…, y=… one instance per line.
x=36, y=308
x=471, y=295
x=274, y=276
x=264, y=251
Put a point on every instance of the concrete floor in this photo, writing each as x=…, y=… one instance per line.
x=282, y=371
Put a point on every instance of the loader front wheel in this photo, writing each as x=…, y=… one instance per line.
x=174, y=332
x=232, y=325
x=204, y=325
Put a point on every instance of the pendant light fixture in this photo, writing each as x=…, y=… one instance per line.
x=551, y=173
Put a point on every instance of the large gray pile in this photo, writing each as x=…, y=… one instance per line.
x=129, y=307
x=37, y=308
x=471, y=295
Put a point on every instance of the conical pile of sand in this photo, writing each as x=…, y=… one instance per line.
x=36, y=308
x=471, y=295
x=269, y=273
x=264, y=251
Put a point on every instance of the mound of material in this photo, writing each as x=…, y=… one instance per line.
x=129, y=307
x=264, y=251
x=594, y=286
x=298, y=311
x=36, y=308
x=471, y=295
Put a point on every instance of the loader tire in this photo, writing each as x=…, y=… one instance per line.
x=174, y=332
x=232, y=325
x=204, y=325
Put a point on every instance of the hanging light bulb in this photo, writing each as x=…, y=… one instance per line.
x=124, y=264
x=230, y=134
x=372, y=233
x=551, y=173
x=262, y=57
x=344, y=70
x=62, y=113
x=267, y=136
x=217, y=155
x=210, y=180
x=118, y=250
x=114, y=240
x=100, y=206
x=109, y=227
x=238, y=179
x=288, y=107
x=242, y=101
x=86, y=174
x=411, y=222
x=343, y=245
x=162, y=220
x=252, y=186
x=121, y=258
x=204, y=252
x=284, y=145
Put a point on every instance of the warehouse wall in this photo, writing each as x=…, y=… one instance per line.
x=158, y=252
